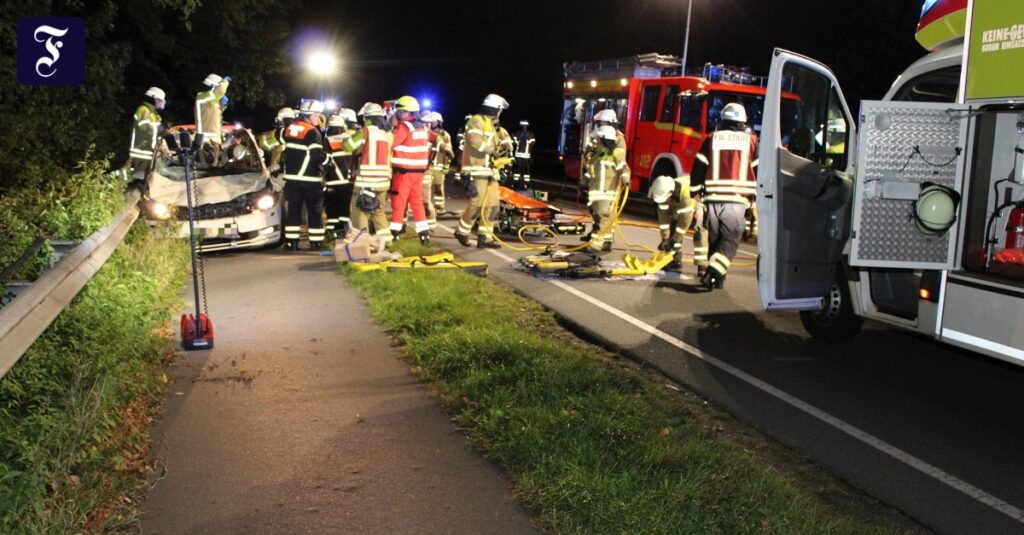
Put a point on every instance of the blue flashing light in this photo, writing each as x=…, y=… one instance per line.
x=427, y=103
x=928, y=4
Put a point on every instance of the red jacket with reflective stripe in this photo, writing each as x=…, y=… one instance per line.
x=411, y=150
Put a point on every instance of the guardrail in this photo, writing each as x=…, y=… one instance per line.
x=27, y=316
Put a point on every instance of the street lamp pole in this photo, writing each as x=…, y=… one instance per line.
x=686, y=40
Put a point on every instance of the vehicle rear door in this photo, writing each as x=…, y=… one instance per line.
x=804, y=183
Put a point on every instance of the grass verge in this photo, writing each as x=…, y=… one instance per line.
x=74, y=411
x=591, y=443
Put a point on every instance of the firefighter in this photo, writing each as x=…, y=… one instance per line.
x=372, y=145
x=460, y=138
x=272, y=141
x=303, y=183
x=146, y=130
x=209, y=115
x=506, y=148
x=606, y=172
x=675, y=214
x=441, y=156
x=410, y=157
x=481, y=145
x=524, y=141
x=337, y=184
x=723, y=180
x=601, y=118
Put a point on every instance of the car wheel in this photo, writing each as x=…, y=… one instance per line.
x=836, y=321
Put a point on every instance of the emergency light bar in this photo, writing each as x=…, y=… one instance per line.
x=941, y=22
x=730, y=74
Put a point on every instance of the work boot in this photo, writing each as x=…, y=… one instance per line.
x=463, y=240
x=606, y=247
x=341, y=231
x=708, y=281
x=674, y=265
x=396, y=233
x=424, y=238
x=586, y=237
x=701, y=270
x=482, y=243
x=291, y=245
x=720, y=282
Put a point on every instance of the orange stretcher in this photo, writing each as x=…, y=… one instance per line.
x=518, y=211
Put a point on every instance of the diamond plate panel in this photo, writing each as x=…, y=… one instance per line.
x=885, y=234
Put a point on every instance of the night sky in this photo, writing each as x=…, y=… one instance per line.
x=455, y=53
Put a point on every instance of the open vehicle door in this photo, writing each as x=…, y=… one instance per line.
x=804, y=184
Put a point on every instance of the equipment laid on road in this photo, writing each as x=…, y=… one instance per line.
x=436, y=261
x=586, y=264
x=521, y=212
x=196, y=329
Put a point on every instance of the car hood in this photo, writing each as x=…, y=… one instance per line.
x=170, y=190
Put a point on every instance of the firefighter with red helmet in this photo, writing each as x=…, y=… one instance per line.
x=410, y=157
x=723, y=179
x=371, y=149
x=606, y=173
x=303, y=176
x=337, y=181
x=477, y=161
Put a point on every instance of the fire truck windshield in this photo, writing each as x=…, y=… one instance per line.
x=754, y=105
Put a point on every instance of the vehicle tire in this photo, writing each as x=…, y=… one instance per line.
x=836, y=321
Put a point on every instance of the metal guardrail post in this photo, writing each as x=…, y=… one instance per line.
x=25, y=318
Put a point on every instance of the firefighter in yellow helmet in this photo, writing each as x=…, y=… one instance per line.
x=146, y=131
x=675, y=214
x=606, y=172
x=209, y=114
x=481, y=146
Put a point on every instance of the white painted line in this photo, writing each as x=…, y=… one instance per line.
x=855, y=432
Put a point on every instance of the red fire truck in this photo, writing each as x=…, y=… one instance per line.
x=664, y=116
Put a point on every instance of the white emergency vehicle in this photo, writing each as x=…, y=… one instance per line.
x=916, y=218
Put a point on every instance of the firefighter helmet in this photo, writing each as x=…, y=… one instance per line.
x=239, y=152
x=606, y=116
x=496, y=102
x=438, y=118
x=407, y=103
x=524, y=122
x=935, y=208
x=428, y=117
x=371, y=109
x=661, y=189
x=156, y=93
x=348, y=114
x=311, y=107
x=284, y=114
x=336, y=120
x=607, y=133
x=734, y=112
x=212, y=80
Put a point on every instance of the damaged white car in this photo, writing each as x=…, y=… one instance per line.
x=236, y=202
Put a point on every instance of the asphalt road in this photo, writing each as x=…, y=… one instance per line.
x=931, y=430
x=304, y=418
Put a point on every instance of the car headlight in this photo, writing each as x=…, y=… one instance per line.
x=159, y=210
x=265, y=202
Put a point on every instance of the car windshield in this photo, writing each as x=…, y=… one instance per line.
x=237, y=155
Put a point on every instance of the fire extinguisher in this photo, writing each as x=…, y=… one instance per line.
x=1015, y=227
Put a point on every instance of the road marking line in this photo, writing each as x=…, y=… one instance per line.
x=797, y=403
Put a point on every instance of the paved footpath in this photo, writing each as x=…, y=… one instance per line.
x=305, y=419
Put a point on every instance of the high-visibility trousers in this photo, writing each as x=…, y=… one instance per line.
x=482, y=210
x=725, y=222
x=407, y=194
x=602, y=230
x=299, y=194
x=337, y=205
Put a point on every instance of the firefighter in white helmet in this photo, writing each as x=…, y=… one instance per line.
x=478, y=162
x=371, y=150
x=209, y=114
x=675, y=214
x=524, y=142
x=146, y=130
x=303, y=176
x=271, y=142
x=606, y=117
x=441, y=155
x=606, y=173
x=724, y=181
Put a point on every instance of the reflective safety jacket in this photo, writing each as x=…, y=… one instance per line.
x=411, y=147
x=606, y=170
x=593, y=144
x=480, y=145
x=145, y=132
x=338, y=174
x=505, y=143
x=373, y=145
x=441, y=152
x=524, y=144
x=677, y=209
x=724, y=170
x=208, y=113
x=303, y=152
